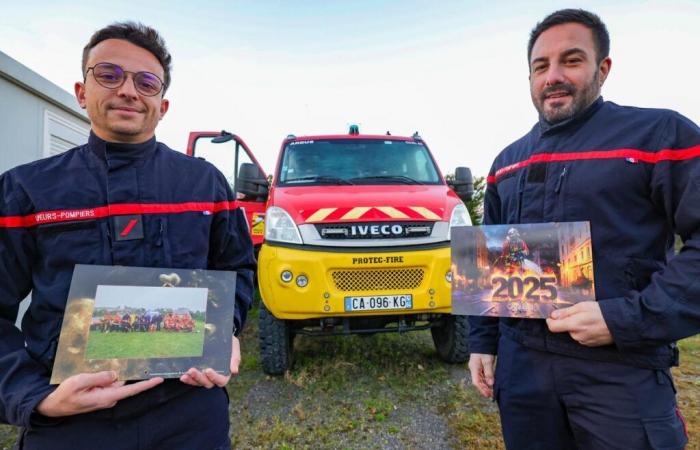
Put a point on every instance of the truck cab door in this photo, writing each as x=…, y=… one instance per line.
x=229, y=153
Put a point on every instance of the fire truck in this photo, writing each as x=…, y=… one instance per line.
x=356, y=238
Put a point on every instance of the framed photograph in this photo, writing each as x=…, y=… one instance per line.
x=525, y=270
x=144, y=322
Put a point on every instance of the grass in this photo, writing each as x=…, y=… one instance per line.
x=383, y=391
x=158, y=344
x=687, y=380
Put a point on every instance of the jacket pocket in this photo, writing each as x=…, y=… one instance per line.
x=504, y=360
x=69, y=243
x=611, y=275
x=62, y=227
x=509, y=193
x=665, y=432
x=639, y=272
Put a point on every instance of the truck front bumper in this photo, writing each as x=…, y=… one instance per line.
x=332, y=277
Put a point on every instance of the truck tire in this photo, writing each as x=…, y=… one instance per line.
x=451, y=338
x=276, y=341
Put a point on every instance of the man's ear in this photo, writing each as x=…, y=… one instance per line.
x=604, y=70
x=80, y=93
x=164, y=105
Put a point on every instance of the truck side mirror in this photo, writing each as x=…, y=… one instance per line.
x=463, y=183
x=251, y=183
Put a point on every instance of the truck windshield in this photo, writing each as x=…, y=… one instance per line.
x=357, y=161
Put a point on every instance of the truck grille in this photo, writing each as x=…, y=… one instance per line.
x=377, y=279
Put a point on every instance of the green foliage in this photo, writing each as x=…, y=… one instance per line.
x=476, y=204
x=139, y=344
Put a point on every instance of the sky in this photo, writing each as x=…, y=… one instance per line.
x=455, y=71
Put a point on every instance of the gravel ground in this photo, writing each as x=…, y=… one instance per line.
x=379, y=392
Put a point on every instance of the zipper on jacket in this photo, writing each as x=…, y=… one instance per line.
x=163, y=242
x=159, y=241
x=557, y=188
x=521, y=191
x=108, y=233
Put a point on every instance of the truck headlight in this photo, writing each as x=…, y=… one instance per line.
x=459, y=218
x=280, y=227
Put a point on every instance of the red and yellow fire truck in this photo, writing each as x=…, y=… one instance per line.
x=356, y=237
x=357, y=240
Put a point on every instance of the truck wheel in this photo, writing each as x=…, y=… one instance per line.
x=275, y=343
x=451, y=338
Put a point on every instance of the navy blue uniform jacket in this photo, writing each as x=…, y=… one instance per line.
x=634, y=174
x=60, y=211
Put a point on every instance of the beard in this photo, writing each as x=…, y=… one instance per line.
x=581, y=99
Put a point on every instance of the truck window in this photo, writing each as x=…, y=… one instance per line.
x=360, y=161
x=223, y=156
x=226, y=156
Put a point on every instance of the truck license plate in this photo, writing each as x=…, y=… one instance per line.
x=379, y=302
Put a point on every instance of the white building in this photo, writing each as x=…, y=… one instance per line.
x=37, y=119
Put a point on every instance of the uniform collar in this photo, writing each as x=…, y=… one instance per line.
x=116, y=155
x=550, y=128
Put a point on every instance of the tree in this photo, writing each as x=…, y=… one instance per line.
x=475, y=206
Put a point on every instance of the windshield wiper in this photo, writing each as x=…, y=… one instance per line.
x=320, y=179
x=402, y=178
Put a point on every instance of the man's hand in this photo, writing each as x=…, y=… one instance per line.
x=584, y=322
x=87, y=392
x=481, y=367
x=209, y=378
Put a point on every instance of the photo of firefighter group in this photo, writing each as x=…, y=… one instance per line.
x=524, y=270
x=147, y=322
x=144, y=322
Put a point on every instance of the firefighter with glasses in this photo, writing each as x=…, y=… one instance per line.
x=141, y=204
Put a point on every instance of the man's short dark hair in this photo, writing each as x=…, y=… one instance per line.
x=139, y=35
x=601, y=38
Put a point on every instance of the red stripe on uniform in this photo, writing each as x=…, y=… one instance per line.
x=167, y=208
x=640, y=155
x=69, y=215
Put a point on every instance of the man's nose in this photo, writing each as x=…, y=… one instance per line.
x=555, y=75
x=128, y=89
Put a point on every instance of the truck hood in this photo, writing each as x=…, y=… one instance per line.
x=323, y=204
